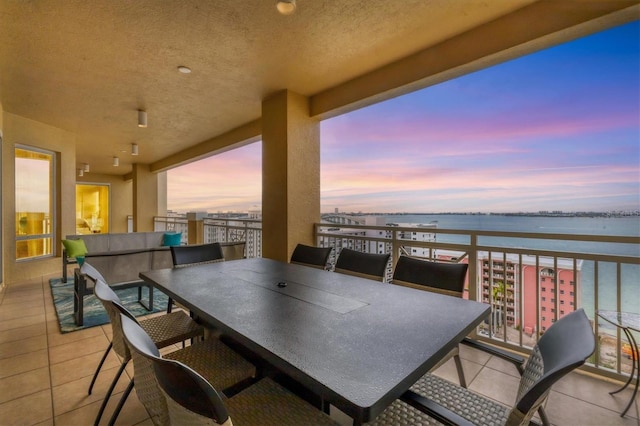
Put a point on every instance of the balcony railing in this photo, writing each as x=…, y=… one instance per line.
x=549, y=275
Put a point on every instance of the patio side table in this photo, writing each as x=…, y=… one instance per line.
x=627, y=322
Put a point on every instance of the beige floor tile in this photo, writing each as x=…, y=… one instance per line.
x=26, y=300
x=595, y=391
x=67, y=351
x=22, y=363
x=496, y=385
x=57, y=338
x=19, y=347
x=22, y=333
x=77, y=368
x=506, y=367
x=22, y=322
x=565, y=410
x=471, y=354
x=449, y=372
x=18, y=311
x=133, y=412
x=28, y=410
x=73, y=395
x=23, y=384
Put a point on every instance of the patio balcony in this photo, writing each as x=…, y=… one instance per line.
x=547, y=275
x=44, y=375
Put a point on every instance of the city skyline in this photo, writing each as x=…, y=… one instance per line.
x=555, y=130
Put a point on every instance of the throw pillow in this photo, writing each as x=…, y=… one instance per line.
x=75, y=248
x=172, y=239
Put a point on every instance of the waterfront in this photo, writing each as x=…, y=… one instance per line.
x=614, y=226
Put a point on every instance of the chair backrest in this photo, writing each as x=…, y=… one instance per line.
x=196, y=254
x=91, y=272
x=565, y=346
x=108, y=297
x=143, y=351
x=316, y=257
x=365, y=265
x=439, y=277
x=233, y=250
x=191, y=399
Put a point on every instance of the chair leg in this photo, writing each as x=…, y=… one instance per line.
x=110, y=391
x=123, y=399
x=458, y=361
x=169, y=305
x=543, y=416
x=95, y=375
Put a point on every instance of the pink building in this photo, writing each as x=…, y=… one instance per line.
x=520, y=289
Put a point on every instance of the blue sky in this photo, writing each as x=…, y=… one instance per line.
x=555, y=130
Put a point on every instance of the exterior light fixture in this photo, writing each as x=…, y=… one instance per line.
x=86, y=167
x=184, y=70
x=142, y=118
x=116, y=162
x=80, y=172
x=134, y=149
x=286, y=7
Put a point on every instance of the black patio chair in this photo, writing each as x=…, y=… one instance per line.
x=316, y=257
x=365, y=265
x=194, y=254
x=211, y=358
x=565, y=346
x=165, y=330
x=176, y=394
x=437, y=277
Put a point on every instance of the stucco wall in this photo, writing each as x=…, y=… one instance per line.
x=19, y=130
x=121, y=198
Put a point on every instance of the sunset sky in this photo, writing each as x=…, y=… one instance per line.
x=556, y=130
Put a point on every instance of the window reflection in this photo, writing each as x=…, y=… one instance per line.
x=34, y=202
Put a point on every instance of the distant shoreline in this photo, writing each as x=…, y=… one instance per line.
x=524, y=214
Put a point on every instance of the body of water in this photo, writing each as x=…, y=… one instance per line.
x=612, y=226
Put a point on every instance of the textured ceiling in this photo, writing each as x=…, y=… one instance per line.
x=87, y=66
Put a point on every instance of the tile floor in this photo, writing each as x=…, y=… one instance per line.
x=44, y=375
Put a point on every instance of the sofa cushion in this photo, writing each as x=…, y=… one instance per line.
x=154, y=239
x=127, y=241
x=95, y=242
x=75, y=248
x=172, y=239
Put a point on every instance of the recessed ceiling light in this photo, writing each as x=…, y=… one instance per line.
x=286, y=7
x=184, y=70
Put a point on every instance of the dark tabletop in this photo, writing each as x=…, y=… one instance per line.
x=357, y=343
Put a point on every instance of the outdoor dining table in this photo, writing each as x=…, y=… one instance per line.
x=357, y=344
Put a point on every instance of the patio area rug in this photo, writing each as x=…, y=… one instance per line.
x=94, y=313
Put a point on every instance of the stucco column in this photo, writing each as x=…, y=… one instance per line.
x=146, y=199
x=290, y=174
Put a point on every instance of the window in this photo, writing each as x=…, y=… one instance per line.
x=34, y=202
x=544, y=298
x=561, y=291
x=92, y=208
x=544, y=308
x=544, y=289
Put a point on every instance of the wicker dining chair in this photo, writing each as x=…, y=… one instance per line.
x=164, y=330
x=565, y=346
x=366, y=265
x=194, y=254
x=176, y=394
x=316, y=257
x=437, y=277
x=211, y=358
